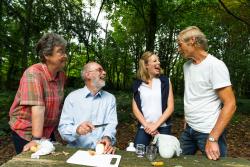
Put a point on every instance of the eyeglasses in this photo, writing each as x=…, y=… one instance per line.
x=100, y=70
x=62, y=52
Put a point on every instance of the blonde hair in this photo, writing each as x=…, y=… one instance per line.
x=193, y=31
x=142, y=72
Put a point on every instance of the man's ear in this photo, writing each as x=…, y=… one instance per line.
x=192, y=40
x=46, y=57
x=87, y=75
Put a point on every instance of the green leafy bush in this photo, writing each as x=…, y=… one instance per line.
x=124, y=106
x=6, y=98
x=243, y=106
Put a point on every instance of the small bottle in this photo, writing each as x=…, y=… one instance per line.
x=130, y=147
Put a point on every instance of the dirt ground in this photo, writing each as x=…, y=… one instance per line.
x=238, y=138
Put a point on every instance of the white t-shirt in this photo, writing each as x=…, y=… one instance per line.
x=151, y=101
x=201, y=103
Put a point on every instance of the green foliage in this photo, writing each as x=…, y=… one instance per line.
x=124, y=106
x=137, y=26
x=6, y=99
x=243, y=106
x=178, y=107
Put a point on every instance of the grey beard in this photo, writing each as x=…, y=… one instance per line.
x=98, y=85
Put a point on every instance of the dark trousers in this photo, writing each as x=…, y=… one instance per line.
x=191, y=141
x=19, y=142
x=142, y=137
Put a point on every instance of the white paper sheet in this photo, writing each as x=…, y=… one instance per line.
x=103, y=160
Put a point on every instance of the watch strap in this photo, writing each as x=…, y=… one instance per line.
x=107, y=137
x=211, y=139
x=35, y=138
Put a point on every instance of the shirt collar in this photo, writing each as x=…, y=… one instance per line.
x=87, y=93
x=48, y=74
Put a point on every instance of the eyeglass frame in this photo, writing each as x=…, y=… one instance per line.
x=100, y=70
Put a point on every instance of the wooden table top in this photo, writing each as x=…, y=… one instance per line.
x=62, y=153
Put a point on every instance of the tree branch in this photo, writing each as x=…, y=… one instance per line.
x=229, y=12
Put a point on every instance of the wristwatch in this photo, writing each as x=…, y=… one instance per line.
x=35, y=138
x=107, y=137
x=211, y=139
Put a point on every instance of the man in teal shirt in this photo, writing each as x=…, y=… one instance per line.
x=87, y=107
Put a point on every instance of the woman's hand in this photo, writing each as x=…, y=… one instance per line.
x=29, y=145
x=154, y=133
x=151, y=128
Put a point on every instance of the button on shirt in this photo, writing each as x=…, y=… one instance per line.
x=81, y=106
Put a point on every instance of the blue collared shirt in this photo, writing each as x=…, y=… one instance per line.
x=80, y=106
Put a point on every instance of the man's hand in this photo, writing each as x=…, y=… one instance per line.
x=108, y=148
x=212, y=150
x=29, y=145
x=226, y=95
x=85, y=128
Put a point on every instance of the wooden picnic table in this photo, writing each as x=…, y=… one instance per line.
x=62, y=153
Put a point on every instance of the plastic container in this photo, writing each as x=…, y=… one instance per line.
x=131, y=147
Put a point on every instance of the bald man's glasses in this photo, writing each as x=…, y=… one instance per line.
x=100, y=70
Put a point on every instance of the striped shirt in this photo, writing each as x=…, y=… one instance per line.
x=37, y=88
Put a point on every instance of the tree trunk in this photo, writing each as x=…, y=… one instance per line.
x=1, y=44
x=152, y=26
x=26, y=33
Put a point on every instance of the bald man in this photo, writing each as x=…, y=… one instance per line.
x=89, y=106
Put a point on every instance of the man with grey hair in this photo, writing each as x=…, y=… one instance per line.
x=209, y=101
x=87, y=107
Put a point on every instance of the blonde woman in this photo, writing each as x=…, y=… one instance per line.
x=153, y=100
